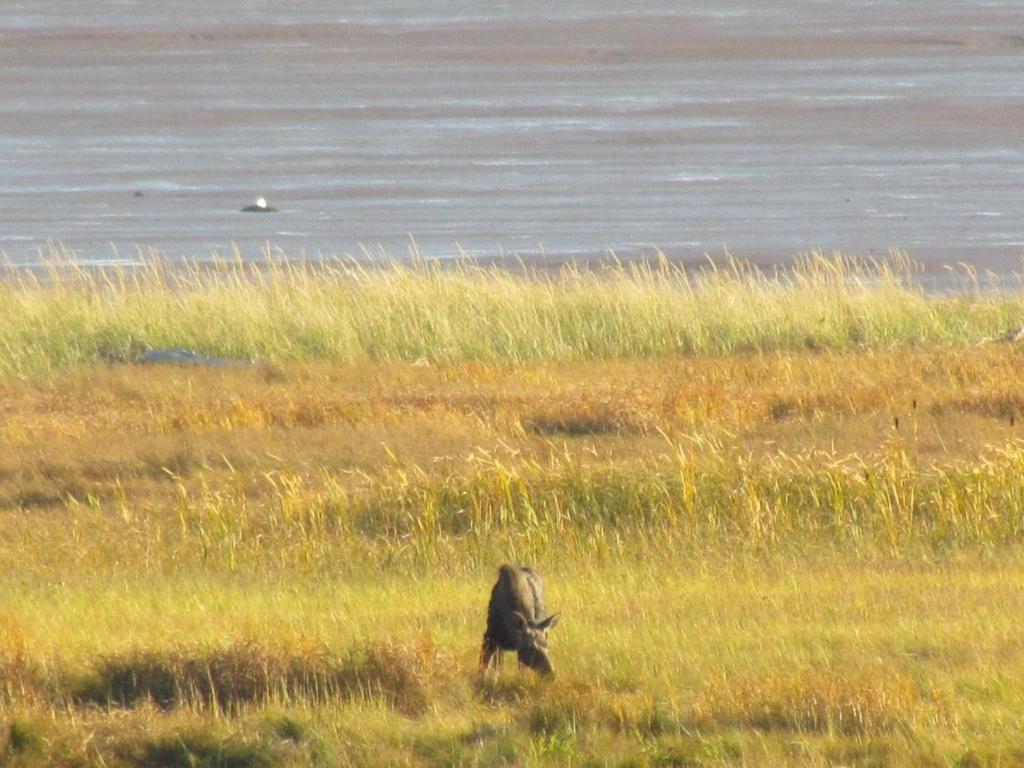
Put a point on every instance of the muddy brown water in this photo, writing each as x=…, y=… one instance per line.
x=569, y=127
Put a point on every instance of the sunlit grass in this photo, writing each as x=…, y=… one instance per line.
x=768, y=548
x=651, y=656
x=349, y=311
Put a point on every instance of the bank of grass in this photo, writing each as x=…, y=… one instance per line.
x=344, y=311
x=658, y=663
x=779, y=556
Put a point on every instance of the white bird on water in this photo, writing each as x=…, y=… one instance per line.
x=260, y=206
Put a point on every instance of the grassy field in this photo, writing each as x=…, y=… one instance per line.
x=782, y=517
x=425, y=311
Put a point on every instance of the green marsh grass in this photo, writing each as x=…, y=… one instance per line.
x=274, y=309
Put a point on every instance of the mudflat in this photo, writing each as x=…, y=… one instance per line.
x=568, y=130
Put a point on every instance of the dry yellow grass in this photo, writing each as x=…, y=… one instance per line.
x=798, y=543
x=289, y=565
x=84, y=430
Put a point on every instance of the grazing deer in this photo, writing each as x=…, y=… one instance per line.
x=517, y=620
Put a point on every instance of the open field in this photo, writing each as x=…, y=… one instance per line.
x=768, y=548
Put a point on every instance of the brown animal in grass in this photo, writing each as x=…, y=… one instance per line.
x=517, y=620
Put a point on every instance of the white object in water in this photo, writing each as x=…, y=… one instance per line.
x=260, y=206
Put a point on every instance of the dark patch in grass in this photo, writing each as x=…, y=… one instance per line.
x=23, y=737
x=970, y=759
x=780, y=409
x=502, y=690
x=289, y=729
x=874, y=753
x=990, y=405
x=677, y=755
x=201, y=750
x=134, y=678
x=481, y=733
x=299, y=737
x=247, y=672
x=180, y=462
x=39, y=498
x=576, y=425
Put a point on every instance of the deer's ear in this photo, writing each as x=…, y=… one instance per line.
x=549, y=622
x=519, y=621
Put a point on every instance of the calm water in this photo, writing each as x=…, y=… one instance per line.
x=766, y=128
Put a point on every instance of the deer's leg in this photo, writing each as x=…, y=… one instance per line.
x=490, y=654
